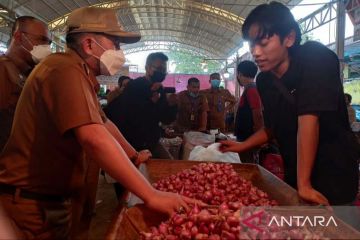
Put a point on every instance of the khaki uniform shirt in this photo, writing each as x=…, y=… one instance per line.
x=11, y=83
x=351, y=114
x=43, y=154
x=217, y=99
x=189, y=111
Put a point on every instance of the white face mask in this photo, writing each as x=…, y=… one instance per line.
x=111, y=61
x=39, y=52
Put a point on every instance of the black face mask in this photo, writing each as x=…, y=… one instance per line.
x=158, y=76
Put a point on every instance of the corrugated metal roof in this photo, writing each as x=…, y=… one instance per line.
x=208, y=27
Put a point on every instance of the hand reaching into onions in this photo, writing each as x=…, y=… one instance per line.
x=171, y=203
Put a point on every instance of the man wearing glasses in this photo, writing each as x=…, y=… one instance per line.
x=30, y=42
x=43, y=163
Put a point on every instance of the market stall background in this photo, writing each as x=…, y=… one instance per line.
x=207, y=28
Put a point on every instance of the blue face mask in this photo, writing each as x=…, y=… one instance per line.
x=215, y=83
x=194, y=95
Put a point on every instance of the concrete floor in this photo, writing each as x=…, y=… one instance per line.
x=106, y=205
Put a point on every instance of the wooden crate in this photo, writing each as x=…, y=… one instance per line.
x=139, y=218
x=129, y=222
x=277, y=189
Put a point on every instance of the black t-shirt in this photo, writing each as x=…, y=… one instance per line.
x=313, y=82
x=137, y=117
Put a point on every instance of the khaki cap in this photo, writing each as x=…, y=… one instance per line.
x=99, y=20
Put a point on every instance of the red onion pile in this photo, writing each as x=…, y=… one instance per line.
x=214, y=184
x=222, y=222
x=227, y=192
x=206, y=223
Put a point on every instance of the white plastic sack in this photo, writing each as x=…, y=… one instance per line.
x=198, y=138
x=109, y=179
x=171, y=141
x=192, y=139
x=212, y=153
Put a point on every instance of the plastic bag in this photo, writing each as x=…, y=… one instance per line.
x=192, y=139
x=109, y=179
x=171, y=141
x=173, y=145
x=199, y=138
x=212, y=153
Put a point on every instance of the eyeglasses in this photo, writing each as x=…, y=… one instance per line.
x=42, y=39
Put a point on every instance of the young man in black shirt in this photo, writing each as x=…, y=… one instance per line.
x=304, y=108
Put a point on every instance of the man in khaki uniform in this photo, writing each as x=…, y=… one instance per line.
x=192, y=108
x=29, y=38
x=217, y=98
x=43, y=163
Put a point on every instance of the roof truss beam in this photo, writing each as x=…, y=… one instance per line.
x=217, y=41
x=165, y=45
x=208, y=50
x=206, y=12
x=324, y=15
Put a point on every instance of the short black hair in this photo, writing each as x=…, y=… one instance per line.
x=193, y=80
x=247, y=68
x=155, y=56
x=213, y=75
x=21, y=21
x=349, y=97
x=272, y=18
x=122, y=78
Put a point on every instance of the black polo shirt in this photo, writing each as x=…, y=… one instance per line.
x=313, y=81
x=137, y=117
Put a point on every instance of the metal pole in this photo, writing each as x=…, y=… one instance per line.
x=237, y=88
x=340, y=32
